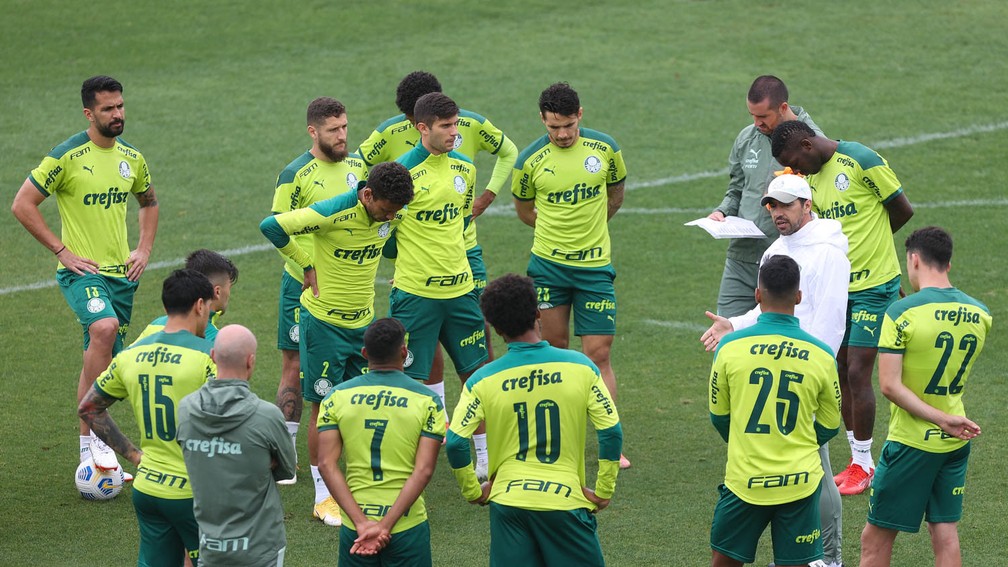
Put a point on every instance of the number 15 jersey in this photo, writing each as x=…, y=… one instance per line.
x=155, y=374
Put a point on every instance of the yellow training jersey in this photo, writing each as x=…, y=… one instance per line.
x=431, y=259
x=154, y=375
x=92, y=185
x=344, y=246
x=381, y=417
x=775, y=397
x=397, y=136
x=308, y=180
x=853, y=188
x=569, y=187
x=537, y=401
x=939, y=332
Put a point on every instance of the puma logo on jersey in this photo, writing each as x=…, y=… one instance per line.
x=88, y=169
x=549, y=170
x=869, y=330
x=755, y=153
x=319, y=183
x=349, y=230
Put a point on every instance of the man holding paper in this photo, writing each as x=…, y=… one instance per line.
x=750, y=169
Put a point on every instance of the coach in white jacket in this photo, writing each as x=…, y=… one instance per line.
x=820, y=249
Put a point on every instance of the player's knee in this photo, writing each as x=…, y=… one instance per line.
x=104, y=331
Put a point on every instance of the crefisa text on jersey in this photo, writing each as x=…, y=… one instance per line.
x=528, y=383
x=786, y=349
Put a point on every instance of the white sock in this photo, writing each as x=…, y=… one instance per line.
x=85, y=447
x=862, y=454
x=321, y=492
x=292, y=428
x=439, y=390
x=481, y=448
x=850, y=440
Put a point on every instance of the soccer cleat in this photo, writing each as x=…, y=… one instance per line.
x=328, y=511
x=288, y=481
x=841, y=476
x=857, y=481
x=127, y=477
x=103, y=455
x=624, y=463
x=482, y=471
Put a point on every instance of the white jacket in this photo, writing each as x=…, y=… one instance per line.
x=820, y=249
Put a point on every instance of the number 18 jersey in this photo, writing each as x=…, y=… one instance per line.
x=155, y=374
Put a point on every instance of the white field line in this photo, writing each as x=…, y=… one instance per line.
x=502, y=210
x=677, y=325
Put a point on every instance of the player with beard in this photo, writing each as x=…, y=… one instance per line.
x=324, y=171
x=92, y=174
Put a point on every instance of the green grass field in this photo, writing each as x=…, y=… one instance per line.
x=216, y=94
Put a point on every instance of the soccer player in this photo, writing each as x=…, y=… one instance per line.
x=222, y=273
x=434, y=295
x=322, y=172
x=750, y=170
x=930, y=341
x=820, y=249
x=235, y=445
x=536, y=401
x=774, y=398
x=347, y=233
x=154, y=375
x=388, y=428
x=567, y=185
x=92, y=174
x=854, y=185
x=476, y=134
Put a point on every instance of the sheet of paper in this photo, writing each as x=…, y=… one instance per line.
x=732, y=227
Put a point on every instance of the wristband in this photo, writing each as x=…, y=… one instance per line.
x=57, y=253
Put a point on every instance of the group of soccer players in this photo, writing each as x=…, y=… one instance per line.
x=773, y=395
x=409, y=194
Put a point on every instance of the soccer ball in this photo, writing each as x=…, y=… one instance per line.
x=96, y=484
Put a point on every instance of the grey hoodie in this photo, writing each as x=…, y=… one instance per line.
x=229, y=439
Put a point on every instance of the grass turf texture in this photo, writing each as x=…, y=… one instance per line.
x=216, y=95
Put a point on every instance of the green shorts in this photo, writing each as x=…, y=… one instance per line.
x=93, y=297
x=168, y=530
x=330, y=355
x=865, y=311
x=289, y=313
x=475, y=257
x=533, y=537
x=911, y=484
x=457, y=323
x=737, y=294
x=406, y=549
x=589, y=291
x=794, y=528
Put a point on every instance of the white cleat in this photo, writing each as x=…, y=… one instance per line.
x=288, y=481
x=103, y=455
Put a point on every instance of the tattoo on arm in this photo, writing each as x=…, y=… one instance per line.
x=147, y=199
x=94, y=411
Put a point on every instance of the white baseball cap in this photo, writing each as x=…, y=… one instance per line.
x=786, y=188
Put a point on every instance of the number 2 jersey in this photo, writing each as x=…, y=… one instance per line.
x=939, y=332
x=536, y=401
x=154, y=375
x=775, y=397
x=381, y=417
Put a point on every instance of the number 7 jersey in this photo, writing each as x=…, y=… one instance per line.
x=939, y=332
x=155, y=374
